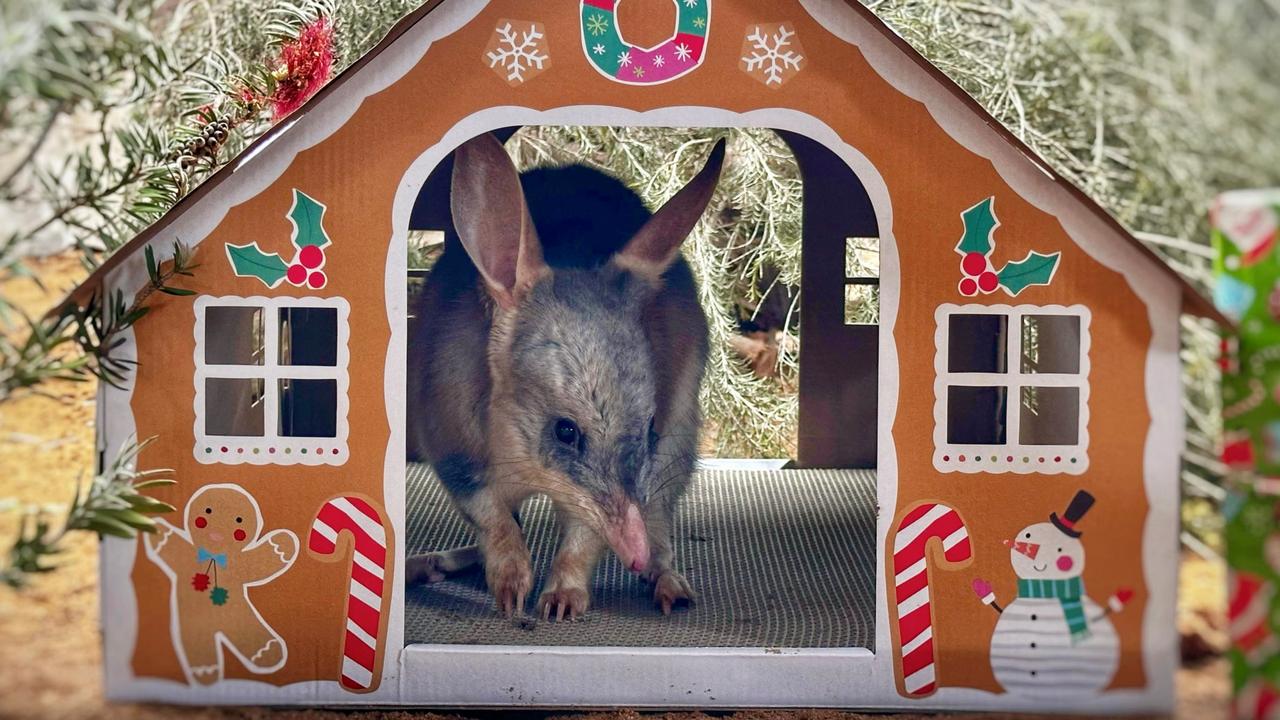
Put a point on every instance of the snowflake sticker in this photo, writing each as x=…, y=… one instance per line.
x=598, y=24
x=518, y=51
x=598, y=49
x=659, y=61
x=683, y=53
x=772, y=54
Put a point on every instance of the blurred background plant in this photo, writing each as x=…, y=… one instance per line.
x=112, y=110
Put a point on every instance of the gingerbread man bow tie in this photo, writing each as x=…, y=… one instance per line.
x=220, y=558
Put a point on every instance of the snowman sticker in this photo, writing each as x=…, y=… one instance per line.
x=1052, y=638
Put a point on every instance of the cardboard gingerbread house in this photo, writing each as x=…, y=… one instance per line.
x=1016, y=407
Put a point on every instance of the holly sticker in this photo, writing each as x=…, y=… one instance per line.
x=976, y=246
x=309, y=240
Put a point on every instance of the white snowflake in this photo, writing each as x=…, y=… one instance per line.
x=598, y=49
x=624, y=59
x=682, y=52
x=517, y=55
x=769, y=54
x=691, y=3
x=659, y=61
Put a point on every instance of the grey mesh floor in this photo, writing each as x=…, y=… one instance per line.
x=778, y=558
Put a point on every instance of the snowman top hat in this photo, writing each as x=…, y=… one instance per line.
x=1080, y=505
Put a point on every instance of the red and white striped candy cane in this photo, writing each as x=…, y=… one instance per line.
x=368, y=587
x=914, y=650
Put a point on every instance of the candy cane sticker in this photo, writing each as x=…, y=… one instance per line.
x=622, y=62
x=917, y=670
x=368, y=583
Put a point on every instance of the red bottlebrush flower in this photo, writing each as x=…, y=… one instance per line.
x=303, y=67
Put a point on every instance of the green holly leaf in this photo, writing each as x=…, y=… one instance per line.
x=250, y=261
x=307, y=216
x=219, y=595
x=980, y=225
x=1034, y=269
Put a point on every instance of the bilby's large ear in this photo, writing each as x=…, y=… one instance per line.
x=653, y=248
x=493, y=221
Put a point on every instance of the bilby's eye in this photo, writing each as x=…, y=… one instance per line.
x=653, y=436
x=567, y=432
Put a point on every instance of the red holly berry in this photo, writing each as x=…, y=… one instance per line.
x=973, y=264
x=296, y=274
x=968, y=287
x=200, y=581
x=316, y=280
x=988, y=282
x=311, y=257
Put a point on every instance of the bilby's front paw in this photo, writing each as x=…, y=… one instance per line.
x=670, y=590
x=559, y=601
x=509, y=580
x=425, y=568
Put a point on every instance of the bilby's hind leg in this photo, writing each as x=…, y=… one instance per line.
x=568, y=590
x=434, y=567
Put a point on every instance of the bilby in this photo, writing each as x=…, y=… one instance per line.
x=557, y=348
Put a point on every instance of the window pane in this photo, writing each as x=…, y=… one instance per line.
x=977, y=343
x=1051, y=344
x=862, y=257
x=976, y=415
x=308, y=408
x=1050, y=416
x=309, y=336
x=861, y=304
x=233, y=407
x=233, y=336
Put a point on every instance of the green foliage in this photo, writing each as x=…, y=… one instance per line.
x=113, y=504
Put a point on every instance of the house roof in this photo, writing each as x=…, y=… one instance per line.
x=1194, y=302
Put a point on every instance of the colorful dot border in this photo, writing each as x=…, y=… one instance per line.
x=319, y=452
x=1019, y=460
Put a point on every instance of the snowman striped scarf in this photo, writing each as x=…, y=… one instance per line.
x=1068, y=592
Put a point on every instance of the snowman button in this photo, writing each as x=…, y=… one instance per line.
x=1033, y=646
x=1033, y=617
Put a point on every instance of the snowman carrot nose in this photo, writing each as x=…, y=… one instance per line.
x=1026, y=548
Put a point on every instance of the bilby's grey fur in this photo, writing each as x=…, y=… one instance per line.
x=560, y=299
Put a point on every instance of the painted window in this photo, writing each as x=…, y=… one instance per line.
x=271, y=380
x=1011, y=392
x=862, y=281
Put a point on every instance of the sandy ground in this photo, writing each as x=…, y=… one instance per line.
x=49, y=640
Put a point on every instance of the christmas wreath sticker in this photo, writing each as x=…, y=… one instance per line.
x=620, y=61
x=309, y=240
x=975, y=248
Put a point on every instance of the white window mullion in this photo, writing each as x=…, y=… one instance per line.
x=1013, y=410
x=271, y=391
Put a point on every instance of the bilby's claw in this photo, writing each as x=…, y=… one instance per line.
x=671, y=590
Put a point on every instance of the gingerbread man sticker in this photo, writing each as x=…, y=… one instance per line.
x=212, y=562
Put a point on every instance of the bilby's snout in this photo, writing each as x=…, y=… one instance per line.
x=627, y=535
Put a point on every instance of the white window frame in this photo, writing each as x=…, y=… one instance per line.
x=271, y=448
x=1038, y=459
